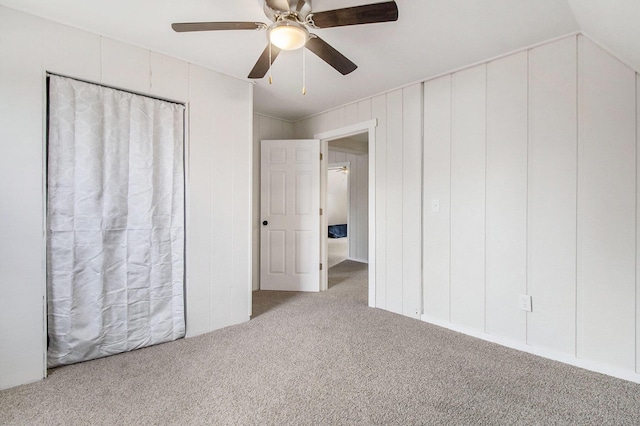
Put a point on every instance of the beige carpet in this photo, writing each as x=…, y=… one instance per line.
x=324, y=359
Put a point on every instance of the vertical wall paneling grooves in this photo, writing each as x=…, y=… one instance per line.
x=351, y=114
x=240, y=139
x=218, y=132
x=606, y=208
x=335, y=119
x=379, y=111
x=437, y=189
x=411, y=200
x=124, y=65
x=221, y=236
x=394, y=225
x=364, y=110
x=255, y=225
x=533, y=163
x=506, y=196
x=552, y=171
x=200, y=174
x=637, y=223
x=22, y=247
x=468, y=124
x=287, y=130
x=169, y=77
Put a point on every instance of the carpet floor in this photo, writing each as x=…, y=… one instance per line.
x=324, y=359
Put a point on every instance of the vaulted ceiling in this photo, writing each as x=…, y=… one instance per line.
x=430, y=37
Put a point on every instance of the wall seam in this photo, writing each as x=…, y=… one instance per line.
x=486, y=145
x=451, y=79
x=422, y=198
x=403, y=196
x=386, y=201
x=450, y=72
x=577, y=73
x=526, y=211
x=636, y=229
x=101, y=53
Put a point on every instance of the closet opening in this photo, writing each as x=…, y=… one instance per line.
x=115, y=197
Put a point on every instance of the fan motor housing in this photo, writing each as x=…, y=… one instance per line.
x=276, y=8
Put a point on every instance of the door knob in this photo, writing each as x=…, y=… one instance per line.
x=265, y=223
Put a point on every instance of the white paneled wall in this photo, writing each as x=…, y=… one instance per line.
x=22, y=244
x=358, y=201
x=394, y=225
x=218, y=167
x=468, y=147
x=506, y=195
x=379, y=112
x=398, y=194
x=551, y=196
x=264, y=128
x=543, y=186
x=437, y=198
x=230, y=257
x=637, y=224
x=529, y=186
x=124, y=65
x=200, y=177
x=606, y=208
x=411, y=200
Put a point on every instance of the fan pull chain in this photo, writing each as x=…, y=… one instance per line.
x=270, y=78
x=304, y=72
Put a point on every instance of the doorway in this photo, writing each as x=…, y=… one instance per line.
x=354, y=144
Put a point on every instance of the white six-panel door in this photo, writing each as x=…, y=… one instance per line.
x=290, y=215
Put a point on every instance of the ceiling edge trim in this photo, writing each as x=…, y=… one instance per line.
x=610, y=52
x=274, y=118
x=455, y=70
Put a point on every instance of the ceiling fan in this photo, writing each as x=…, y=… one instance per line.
x=289, y=30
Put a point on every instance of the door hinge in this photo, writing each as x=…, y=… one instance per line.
x=320, y=212
x=321, y=266
x=320, y=156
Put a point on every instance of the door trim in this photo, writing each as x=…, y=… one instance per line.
x=365, y=126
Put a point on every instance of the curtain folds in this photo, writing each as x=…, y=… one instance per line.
x=115, y=221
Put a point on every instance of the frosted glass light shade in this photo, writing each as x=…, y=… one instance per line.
x=288, y=35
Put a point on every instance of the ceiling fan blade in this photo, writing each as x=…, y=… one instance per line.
x=330, y=55
x=216, y=26
x=262, y=66
x=300, y=5
x=367, y=14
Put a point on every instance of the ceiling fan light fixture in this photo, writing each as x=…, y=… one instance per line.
x=288, y=35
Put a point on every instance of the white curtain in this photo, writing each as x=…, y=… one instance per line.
x=115, y=210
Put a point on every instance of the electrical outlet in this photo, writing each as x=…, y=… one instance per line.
x=524, y=302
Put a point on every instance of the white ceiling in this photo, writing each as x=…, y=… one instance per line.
x=615, y=24
x=430, y=37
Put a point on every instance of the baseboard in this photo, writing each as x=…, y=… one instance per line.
x=545, y=353
x=358, y=260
